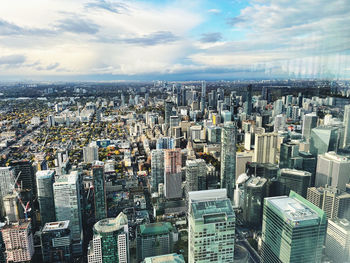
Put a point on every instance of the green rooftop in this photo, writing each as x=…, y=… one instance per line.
x=155, y=228
x=201, y=209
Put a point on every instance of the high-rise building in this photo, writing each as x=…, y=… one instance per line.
x=172, y=174
x=324, y=139
x=154, y=239
x=254, y=194
x=50, y=121
x=228, y=158
x=157, y=169
x=248, y=106
x=168, y=108
x=7, y=180
x=165, y=143
x=334, y=202
x=196, y=171
x=333, y=170
x=110, y=242
x=68, y=206
x=211, y=227
x=288, y=151
x=214, y=134
x=90, y=154
x=265, y=148
x=277, y=107
x=265, y=93
x=346, y=122
x=55, y=241
x=203, y=96
x=18, y=240
x=26, y=177
x=44, y=181
x=100, y=200
x=338, y=240
x=293, y=230
x=296, y=180
x=309, y=122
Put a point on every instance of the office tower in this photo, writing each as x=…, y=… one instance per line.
x=338, y=240
x=332, y=169
x=55, y=241
x=100, y=200
x=228, y=158
x=346, y=122
x=154, y=240
x=248, y=106
x=169, y=258
x=265, y=148
x=280, y=123
x=165, y=143
x=226, y=116
x=295, y=180
x=90, y=154
x=254, y=194
x=203, y=96
x=66, y=191
x=265, y=93
x=214, y=134
x=50, y=121
x=308, y=163
x=174, y=121
x=196, y=171
x=242, y=158
x=334, y=202
x=288, y=151
x=277, y=107
x=212, y=99
x=18, y=239
x=27, y=177
x=168, y=108
x=300, y=100
x=183, y=96
x=324, y=139
x=211, y=227
x=44, y=181
x=293, y=230
x=157, y=169
x=7, y=180
x=172, y=174
x=110, y=242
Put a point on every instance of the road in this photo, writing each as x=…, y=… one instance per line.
x=254, y=256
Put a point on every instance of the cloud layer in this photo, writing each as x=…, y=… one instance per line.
x=174, y=39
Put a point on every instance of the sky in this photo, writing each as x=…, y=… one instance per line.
x=174, y=40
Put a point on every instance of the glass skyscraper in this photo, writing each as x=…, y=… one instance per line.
x=228, y=158
x=99, y=191
x=293, y=230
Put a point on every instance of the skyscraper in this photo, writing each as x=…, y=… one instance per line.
x=7, y=180
x=346, y=122
x=265, y=148
x=68, y=206
x=295, y=180
x=90, y=154
x=228, y=158
x=100, y=200
x=55, y=241
x=293, y=230
x=211, y=227
x=248, y=106
x=196, y=171
x=168, y=108
x=334, y=202
x=154, y=240
x=324, y=139
x=338, y=240
x=110, y=242
x=172, y=173
x=288, y=151
x=27, y=177
x=157, y=169
x=45, y=180
x=254, y=194
x=203, y=96
x=18, y=239
x=333, y=170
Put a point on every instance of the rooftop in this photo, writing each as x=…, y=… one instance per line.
x=156, y=228
x=169, y=258
x=256, y=182
x=56, y=225
x=108, y=225
x=342, y=223
x=292, y=209
x=201, y=209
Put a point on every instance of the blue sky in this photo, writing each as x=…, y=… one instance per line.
x=174, y=40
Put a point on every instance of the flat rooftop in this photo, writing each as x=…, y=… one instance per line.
x=56, y=226
x=292, y=209
x=204, y=208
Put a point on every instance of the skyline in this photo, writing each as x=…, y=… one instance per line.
x=173, y=40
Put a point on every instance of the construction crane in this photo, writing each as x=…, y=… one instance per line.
x=17, y=191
